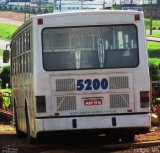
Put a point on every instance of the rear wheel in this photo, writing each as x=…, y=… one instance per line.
x=112, y=138
x=128, y=138
x=30, y=139
x=19, y=133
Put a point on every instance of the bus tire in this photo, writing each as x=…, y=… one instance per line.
x=128, y=138
x=112, y=138
x=30, y=139
x=18, y=132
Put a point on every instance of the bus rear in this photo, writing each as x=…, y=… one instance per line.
x=92, y=73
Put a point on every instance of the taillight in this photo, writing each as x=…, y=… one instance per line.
x=137, y=17
x=40, y=21
x=144, y=99
x=41, y=104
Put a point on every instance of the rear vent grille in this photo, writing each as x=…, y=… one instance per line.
x=66, y=103
x=65, y=85
x=119, y=82
x=119, y=100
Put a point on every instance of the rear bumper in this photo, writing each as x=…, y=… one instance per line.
x=133, y=121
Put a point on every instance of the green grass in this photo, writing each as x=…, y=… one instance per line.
x=153, y=49
x=153, y=46
x=156, y=61
x=1, y=52
x=6, y=30
x=154, y=53
x=155, y=34
x=155, y=24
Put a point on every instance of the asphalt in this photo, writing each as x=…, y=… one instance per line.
x=153, y=39
x=3, y=44
x=8, y=21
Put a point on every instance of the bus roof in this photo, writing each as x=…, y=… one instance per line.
x=78, y=12
x=75, y=13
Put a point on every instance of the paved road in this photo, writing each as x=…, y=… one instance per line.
x=3, y=44
x=153, y=39
x=10, y=21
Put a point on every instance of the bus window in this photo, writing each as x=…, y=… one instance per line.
x=124, y=51
x=90, y=47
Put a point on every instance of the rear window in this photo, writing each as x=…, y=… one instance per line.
x=95, y=47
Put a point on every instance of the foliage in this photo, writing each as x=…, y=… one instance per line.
x=154, y=70
x=5, y=77
x=6, y=97
x=153, y=49
x=45, y=11
x=154, y=60
x=5, y=90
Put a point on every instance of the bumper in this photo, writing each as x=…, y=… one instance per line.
x=93, y=122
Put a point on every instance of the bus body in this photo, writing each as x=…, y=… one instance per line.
x=81, y=71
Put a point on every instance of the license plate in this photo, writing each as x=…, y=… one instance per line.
x=93, y=101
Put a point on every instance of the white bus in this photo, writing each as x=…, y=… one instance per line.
x=81, y=71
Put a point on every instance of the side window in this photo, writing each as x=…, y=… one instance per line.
x=21, y=53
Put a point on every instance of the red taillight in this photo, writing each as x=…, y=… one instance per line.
x=129, y=110
x=41, y=104
x=137, y=17
x=144, y=99
x=40, y=21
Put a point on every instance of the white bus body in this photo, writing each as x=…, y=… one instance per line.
x=81, y=71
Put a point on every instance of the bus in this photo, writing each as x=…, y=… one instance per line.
x=81, y=71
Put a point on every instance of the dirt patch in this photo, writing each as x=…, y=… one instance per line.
x=153, y=135
x=13, y=16
x=7, y=129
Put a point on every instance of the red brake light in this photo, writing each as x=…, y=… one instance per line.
x=40, y=21
x=129, y=110
x=137, y=17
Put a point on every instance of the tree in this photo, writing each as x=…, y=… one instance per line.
x=154, y=71
x=5, y=77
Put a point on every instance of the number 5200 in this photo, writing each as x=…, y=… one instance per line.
x=95, y=84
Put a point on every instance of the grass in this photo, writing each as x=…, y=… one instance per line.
x=155, y=24
x=154, y=50
x=1, y=52
x=154, y=53
x=156, y=61
x=155, y=34
x=153, y=46
x=7, y=30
